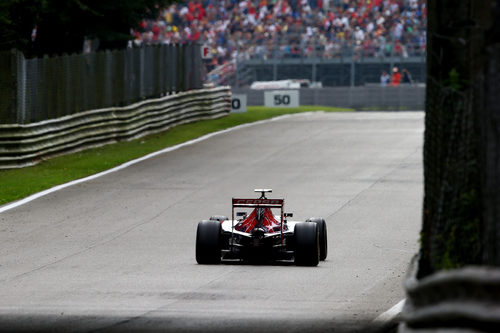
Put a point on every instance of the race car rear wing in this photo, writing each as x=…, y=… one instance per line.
x=253, y=203
x=260, y=203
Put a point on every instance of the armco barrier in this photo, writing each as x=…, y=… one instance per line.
x=461, y=300
x=24, y=145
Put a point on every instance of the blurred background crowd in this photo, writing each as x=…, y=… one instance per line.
x=264, y=29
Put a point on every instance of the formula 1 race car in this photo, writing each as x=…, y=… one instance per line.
x=261, y=235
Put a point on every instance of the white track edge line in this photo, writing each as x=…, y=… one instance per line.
x=390, y=314
x=140, y=159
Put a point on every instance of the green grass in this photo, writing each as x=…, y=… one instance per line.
x=19, y=183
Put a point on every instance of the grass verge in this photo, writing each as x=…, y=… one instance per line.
x=19, y=183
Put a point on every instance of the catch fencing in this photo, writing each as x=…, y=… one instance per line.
x=38, y=89
x=333, y=64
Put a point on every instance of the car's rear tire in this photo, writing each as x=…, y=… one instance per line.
x=208, y=242
x=219, y=218
x=306, y=244
x=323, y=236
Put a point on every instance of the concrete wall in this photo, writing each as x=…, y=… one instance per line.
x=360, y=98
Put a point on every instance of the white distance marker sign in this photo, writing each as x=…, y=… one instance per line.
x=238, y=103
x=281, y=98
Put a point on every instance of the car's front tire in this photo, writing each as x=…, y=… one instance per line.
x=306, y=244
x=208, y=242
x=323, y=236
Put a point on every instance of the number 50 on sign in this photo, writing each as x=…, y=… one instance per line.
x=238, y=103
x=282, y=98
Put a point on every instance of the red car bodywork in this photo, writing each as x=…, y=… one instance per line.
x=269, y=222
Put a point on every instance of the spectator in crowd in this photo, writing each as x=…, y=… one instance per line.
x=384, y=79
x=406, y=79
x=291, y=28
x=396, y=77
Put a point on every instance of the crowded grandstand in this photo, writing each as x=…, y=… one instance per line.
x=280, y=29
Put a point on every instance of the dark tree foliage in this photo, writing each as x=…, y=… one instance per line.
x=462, y=146
x=17, y=20
x=61, y=26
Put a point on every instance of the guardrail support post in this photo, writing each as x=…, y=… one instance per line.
x=20, y=64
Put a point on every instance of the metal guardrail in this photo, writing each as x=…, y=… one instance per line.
x=24, y=145
x=461, y=300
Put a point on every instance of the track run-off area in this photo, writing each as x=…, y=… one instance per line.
x=116, y=252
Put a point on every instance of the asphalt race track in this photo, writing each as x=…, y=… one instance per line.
x=117, y=253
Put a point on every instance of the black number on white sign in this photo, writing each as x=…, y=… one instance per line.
x=281, y=99
x=235, y=103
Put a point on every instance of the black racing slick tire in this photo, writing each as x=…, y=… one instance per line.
x=306, y=244
x=219, y=218
x=323, y=236
x=208, y=242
